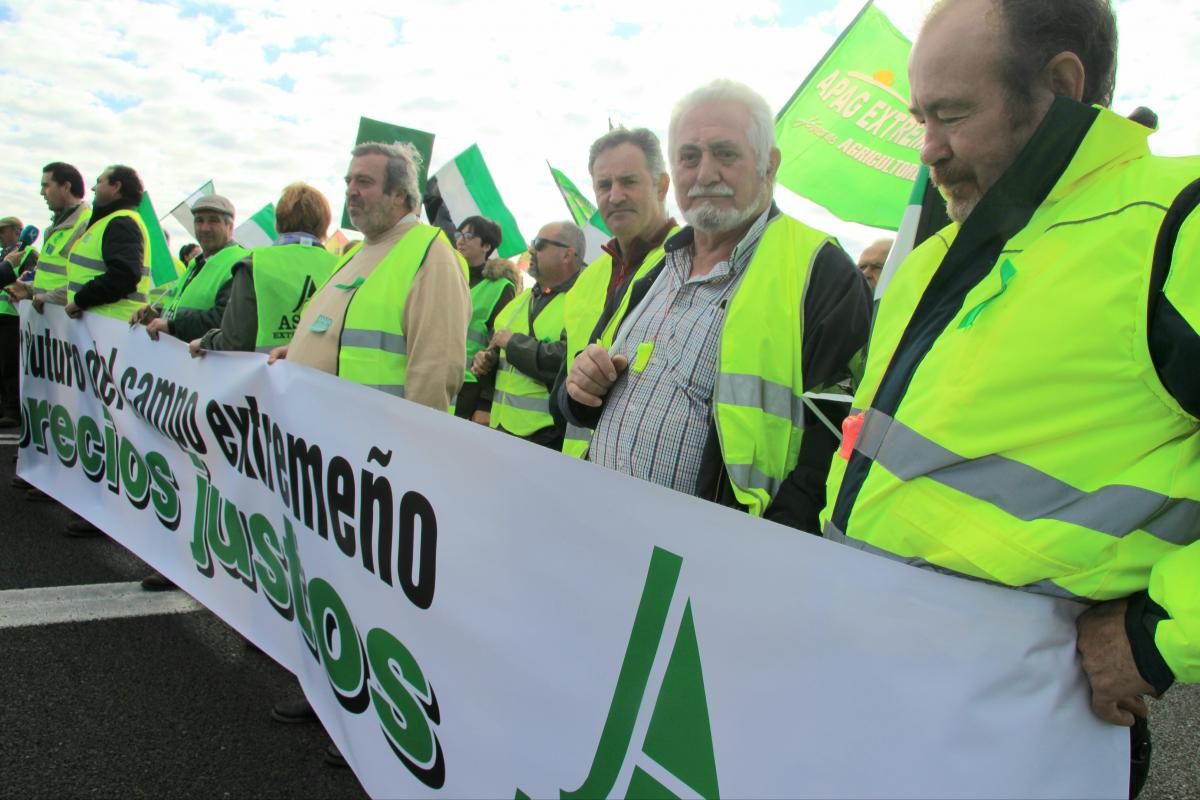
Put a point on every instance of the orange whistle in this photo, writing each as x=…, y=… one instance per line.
x=851, y=427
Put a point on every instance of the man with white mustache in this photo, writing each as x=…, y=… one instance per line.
x=702, y=387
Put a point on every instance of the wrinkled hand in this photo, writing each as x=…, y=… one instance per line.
x=500, y=339
x=73, y=311
x=278, y=354
x=593, y=374
x=13, y=257
x=143, y=315
x=39, y=302
x=19, y=291
x=1118, y=688
x=485, y=361
x=195, y=349
x=155, y=327
x=482, y=417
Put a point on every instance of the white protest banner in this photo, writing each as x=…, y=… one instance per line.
x=607, y=638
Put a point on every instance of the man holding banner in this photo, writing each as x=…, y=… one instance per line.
x=394, y=313
x=1022, y=426
x=108, y=270
x=527, y=350
x=629, y=177
x=197, y=302
x=700, y=388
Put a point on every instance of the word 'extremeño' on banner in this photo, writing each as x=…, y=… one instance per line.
x=357, y=505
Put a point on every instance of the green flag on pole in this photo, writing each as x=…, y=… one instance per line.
x=372, y=130
x=468, y=190
x=586, y=216
x=162, y=266
x=259, y=230
x=847, y=140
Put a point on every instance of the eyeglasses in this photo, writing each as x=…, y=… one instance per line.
x=462, y=236
x=539, y=244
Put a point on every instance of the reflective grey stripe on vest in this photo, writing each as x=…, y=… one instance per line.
x=375, y=340
x=479, y=338
x=84, y=261
x=747, y=476
x=577, y=433
x=52, y=269
x=752, y=391
x=540, y=405
x=1046, y=587
x=266, y=348
x=1025, y=492
x=392, y=389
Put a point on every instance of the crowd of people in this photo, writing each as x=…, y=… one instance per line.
x=1026, y=408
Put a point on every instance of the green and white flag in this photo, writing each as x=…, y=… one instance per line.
x=586, y=216
x=467, y=189
x=847, y=138
x=259, y=230
x=162, y=265
x=373, y=130
x=183, y=212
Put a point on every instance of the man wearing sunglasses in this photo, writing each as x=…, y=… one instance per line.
x=527, y=350
x=700, y=387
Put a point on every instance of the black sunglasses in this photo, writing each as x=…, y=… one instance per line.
x=539, y=244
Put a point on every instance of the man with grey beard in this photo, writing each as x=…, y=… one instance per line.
x=703, y=387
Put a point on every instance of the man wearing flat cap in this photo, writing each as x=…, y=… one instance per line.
x=197, y=302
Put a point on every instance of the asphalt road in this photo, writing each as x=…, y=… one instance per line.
x=167, y=705
x=176, y=705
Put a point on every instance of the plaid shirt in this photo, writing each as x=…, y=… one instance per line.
x=656, y=419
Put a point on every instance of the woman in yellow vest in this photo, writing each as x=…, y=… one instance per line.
x=272, y=284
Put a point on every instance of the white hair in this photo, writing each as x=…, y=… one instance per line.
x=762, y=121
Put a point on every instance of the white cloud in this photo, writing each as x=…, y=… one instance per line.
x=527, y=82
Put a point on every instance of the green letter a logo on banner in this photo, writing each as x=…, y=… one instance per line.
x=675, y=757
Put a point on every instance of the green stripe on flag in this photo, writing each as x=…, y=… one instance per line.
x=162, y=266
x=259, y=230
x=467, y=189
x=580, y=207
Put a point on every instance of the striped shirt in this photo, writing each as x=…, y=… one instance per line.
x=657, y=416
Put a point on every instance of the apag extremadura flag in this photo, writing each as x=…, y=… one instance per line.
x=847, y=138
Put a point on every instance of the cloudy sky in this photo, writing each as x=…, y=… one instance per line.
x=255, y=95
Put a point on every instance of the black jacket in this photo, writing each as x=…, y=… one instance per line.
x=836, y=323
x=122, y=249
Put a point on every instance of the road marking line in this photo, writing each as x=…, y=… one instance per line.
x=50, y=605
